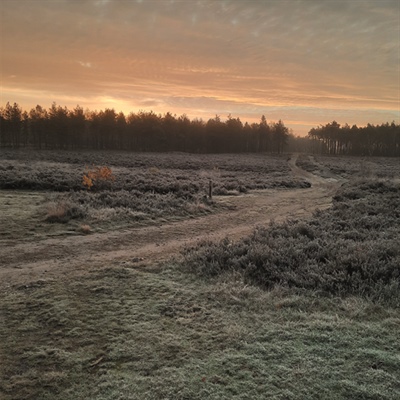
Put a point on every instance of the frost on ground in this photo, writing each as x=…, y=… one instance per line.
x=305, y=307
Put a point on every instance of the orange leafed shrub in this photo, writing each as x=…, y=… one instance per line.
x=97, y=175
x=87, y=181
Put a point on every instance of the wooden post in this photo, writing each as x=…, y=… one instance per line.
x=210, y=186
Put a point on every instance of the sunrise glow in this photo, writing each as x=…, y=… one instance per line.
x=305, y=62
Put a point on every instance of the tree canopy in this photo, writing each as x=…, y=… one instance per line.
x=60, y=128
x=371, y=140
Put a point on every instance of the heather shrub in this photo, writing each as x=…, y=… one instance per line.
x=139, y=186
x=350, y=249
x=136, y=205
x=368, y=168
x=187, y=175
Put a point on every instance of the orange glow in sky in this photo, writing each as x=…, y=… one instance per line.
x=305, y=62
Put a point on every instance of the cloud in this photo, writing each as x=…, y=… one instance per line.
x=85, y=64
x=244, y=57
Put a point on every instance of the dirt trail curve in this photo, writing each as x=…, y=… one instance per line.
x=22, y=263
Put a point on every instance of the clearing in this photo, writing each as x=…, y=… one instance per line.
x=67, y=253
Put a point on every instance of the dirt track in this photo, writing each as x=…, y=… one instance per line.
x=54, y=258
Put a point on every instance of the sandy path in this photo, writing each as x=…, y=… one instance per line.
x=59, y=257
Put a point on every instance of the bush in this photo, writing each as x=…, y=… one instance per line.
x=350, y=249
x=98, y=178
x=63, y=211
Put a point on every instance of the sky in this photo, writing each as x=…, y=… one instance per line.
x=307, y=62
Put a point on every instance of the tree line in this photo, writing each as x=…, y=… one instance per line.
x=371, y=140
x=61, y=128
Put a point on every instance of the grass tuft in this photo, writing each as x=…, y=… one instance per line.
x=62, y=211
x=85, y=229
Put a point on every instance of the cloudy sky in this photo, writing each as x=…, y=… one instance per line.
x=306, y=62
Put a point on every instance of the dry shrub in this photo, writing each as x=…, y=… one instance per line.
x=197, y=207
x=56, y=212
x=63, y=211
x=154, y=170
x=86, y=229
x=97, y=177
x=102, y=214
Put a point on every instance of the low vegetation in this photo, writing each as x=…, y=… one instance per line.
x=97, y=187
x=350, y=167
x=97, y=177
x=123, y=332
x=350, y=249
x=305, y=309
x=160, y=173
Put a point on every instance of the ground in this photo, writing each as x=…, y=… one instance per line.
x=115, y=315
x=65, y=252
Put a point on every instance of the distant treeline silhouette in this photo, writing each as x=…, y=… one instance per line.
x=61, y=128
x=371, y=140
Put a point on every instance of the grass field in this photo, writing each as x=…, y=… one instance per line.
x=305, y=309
